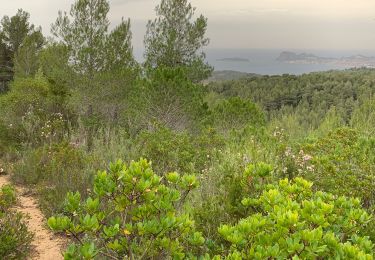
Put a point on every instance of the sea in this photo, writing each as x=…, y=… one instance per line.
x=263, y=61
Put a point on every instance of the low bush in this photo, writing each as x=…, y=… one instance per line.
x=31, y=113
x=7, y=197
x=223, y=186
x=131, y=214
x=168, y=150
x=178, y=151
x=294, y=222
x=54, y=169
x=236, y=114
x=167, y=97
x=15, y=239
x=343, y=161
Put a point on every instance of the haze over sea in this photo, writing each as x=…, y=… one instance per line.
x=263, y=61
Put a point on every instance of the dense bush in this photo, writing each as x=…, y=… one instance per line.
x=55, y=170
x=7, y=198
x=132, y=213
x=168, y=98
x=294, y=222
x=363, y=118
x=173, y=151
x=168, y=151
x=343, y=161
x=224, y=184
x=7, y=139
x=236, y=114
x=32, y=113
x=15, y=239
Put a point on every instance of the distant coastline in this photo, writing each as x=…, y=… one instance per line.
x=308, y=58
x=263, y=61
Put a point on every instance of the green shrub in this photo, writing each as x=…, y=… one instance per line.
x=55, y=170
x=8, y=138
x=294, y=222
x=167, y=98
x=363, y=117
x=236, y=114
x=7, y=197
x=343, y=162
x=32, y=113
x=132, y=213
x=167, y=150
x=223, y=186
x=15, y=239
x=173, y=151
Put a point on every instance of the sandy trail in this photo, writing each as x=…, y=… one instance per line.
x=46, y=245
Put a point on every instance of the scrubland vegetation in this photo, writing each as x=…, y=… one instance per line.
x=143, y=161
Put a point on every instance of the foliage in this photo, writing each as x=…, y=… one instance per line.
x=13, y=32
x=15, y=239
x=26, y=60
x=295, y=222
x=224, y=184
x=171, y=151
x=7, y=198
x=119, y=50
x=56, y=169
x=168, y=98
x=15, y=29
x=363, y=118
x=309, y=97
x=53, y=61
x=30, y=108
x=76, y=103
x=101, y=60
x=8, y=139
x=174, y=39
x=343, y=162
x=167, y=150
x=132, y=213
x=237, y=114
x=85, y=33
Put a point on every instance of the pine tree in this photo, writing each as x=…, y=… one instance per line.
x=13, y=31
x=174, y=39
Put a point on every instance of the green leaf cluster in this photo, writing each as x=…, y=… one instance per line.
x=15, y=239
x=294, y=222
x=132, y=213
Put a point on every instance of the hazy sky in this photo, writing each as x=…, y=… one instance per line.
x=292, y=24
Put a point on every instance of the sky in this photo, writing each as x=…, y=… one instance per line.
x=243, y=24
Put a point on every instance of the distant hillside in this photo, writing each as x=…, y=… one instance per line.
x=225, y=75
x=308, y=58
x=319, y=91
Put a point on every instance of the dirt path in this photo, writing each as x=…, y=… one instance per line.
x=46, y=245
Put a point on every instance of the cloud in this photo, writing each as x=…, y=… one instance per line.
x=270, y=10
x=262, y=23
x=127, y=2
